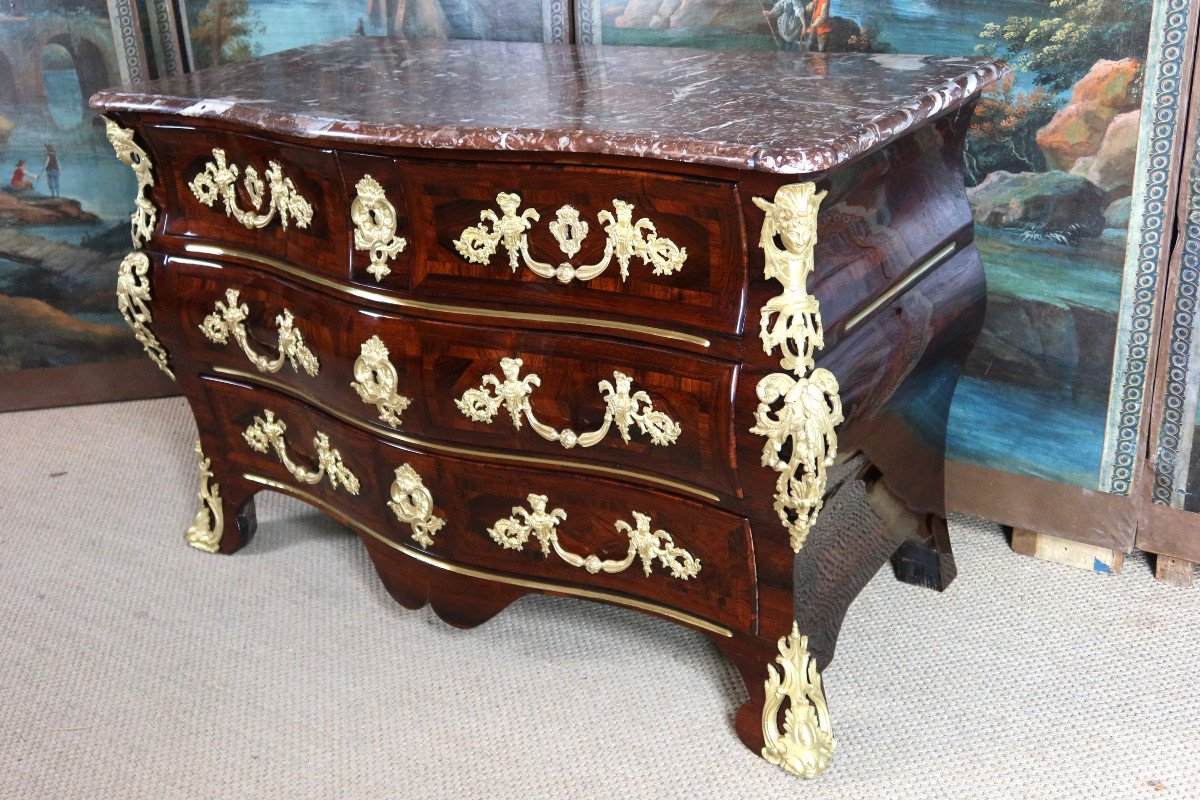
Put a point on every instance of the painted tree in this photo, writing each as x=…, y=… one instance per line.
x=1004, y=130
x=1060, y=50
x=224, y=31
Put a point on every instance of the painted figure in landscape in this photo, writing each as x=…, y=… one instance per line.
x=800, y=26
x=233, y=30
x=20, y=178
x=62, y=232
x=21, y=182
x=790, y=24
x=51, y=170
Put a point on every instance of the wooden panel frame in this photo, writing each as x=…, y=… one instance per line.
x=82, y=384
x=1165, y=526
x=95, y=382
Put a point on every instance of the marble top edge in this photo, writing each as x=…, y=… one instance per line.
x=775, y=112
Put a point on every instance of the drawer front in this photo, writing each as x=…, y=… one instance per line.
x=887, y=216
x=587, y=532
x=608, y=407
x=215, y=178
x=592, y=241
x=625, y=245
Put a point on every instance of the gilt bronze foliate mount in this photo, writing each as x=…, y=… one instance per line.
x=811, y=407
x=625, y=239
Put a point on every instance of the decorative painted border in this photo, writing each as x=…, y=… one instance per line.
x=1177, y=409
x=127, y=38
x=587, y=18
x=163, y=33
x=1145, y=246
x=556, y=21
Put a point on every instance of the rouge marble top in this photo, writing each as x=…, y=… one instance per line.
x=770, y=111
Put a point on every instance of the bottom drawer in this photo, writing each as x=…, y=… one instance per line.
x=537, y=523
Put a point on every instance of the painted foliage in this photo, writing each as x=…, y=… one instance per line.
x=233, y=30
x=64, y=199
x=1051, y=166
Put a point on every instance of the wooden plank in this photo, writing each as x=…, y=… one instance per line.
x=1019, y=501
x=1173, y=571
x=1064, y=551
x=81, y=384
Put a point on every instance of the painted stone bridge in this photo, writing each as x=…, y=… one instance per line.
x=23, y=40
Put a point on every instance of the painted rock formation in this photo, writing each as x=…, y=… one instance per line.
x=36, y=334
x=1076, y=131
x=28, y=208
x=1117, y=213
x=1047, y=347
x=1112, y=168
x=1044, y=201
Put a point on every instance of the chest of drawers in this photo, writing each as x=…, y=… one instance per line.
x=600, y=322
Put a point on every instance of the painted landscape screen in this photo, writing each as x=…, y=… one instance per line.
x=64, y=199
x=1051, y=165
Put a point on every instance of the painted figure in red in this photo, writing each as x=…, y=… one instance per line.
x=818, y=23
x=20, y=178
x=800, y=26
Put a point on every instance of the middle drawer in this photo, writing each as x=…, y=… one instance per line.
x=615, y=408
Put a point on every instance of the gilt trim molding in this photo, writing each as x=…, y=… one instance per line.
x=799, y=410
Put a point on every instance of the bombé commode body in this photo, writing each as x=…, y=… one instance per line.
x=601, y=322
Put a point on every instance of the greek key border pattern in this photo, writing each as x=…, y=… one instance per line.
x=1183, y=321
x=1155, y=216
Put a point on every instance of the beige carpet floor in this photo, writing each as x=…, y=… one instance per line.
x=132, y=666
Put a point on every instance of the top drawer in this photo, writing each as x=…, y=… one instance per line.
x=619, y=244
x=253, y=194
x=666, y=249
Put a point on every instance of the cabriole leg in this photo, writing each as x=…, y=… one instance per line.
x=797, y=733
x=786, y=719
x=923, y=556
x=224, y=522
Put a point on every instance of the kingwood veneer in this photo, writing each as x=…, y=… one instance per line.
x=597, y=322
